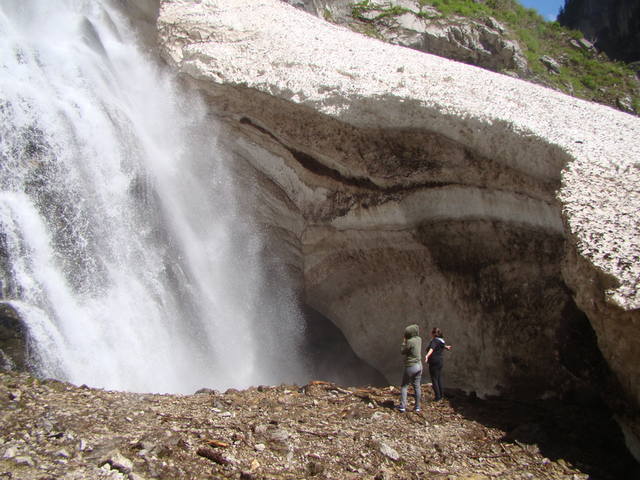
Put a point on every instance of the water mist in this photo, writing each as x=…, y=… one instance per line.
x=121, y=244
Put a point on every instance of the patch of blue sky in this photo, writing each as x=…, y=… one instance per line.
x=548, y=9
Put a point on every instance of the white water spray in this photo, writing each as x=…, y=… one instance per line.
x=121, y=245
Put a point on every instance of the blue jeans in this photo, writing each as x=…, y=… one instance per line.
x=413, y=375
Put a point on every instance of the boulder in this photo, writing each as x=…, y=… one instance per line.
x=402, y=188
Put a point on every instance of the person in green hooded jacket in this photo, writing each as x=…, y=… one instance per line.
x=412, y=373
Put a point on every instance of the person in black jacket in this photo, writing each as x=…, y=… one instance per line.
x=435, y=361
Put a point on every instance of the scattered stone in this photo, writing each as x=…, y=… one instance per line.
x=25, y=460
x=260, y=429
x=314, y=468
x=63, y=453
x=207, y=391
x=212, y=455
x=119, y=462
x=46, y=425
x=10, y=452
x=279, y=435
x=321, y=441
x=388, y=451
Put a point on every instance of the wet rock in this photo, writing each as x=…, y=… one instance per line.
x=13, y=352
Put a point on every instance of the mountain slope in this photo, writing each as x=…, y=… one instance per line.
x=500, y=35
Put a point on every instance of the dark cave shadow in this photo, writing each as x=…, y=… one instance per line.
x=330, y=356
x=584, y=436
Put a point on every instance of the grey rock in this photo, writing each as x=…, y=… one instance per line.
x=389, y=452
x=25, y=460
x=550, y=63
x=82, y=445
x=261, y=429
x=586, y=44
x=119, y=462
x=63, y=453
x=314, y=468
x=625, y=103
x=279, y=435
x=10, y=452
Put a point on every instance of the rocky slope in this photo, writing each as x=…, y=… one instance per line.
x=401, y=187
x=50, y=429
x=502, y=37
x=485, y=43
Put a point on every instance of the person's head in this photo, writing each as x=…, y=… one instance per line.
x=411, y=331
x=436, y=332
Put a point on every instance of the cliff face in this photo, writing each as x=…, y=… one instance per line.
x=401, y=187
x=614, y=25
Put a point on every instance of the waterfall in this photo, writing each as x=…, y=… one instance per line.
x=121, y=244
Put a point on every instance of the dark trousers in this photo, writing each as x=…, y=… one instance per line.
x=435, y=372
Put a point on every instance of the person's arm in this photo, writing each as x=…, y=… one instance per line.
x=448, y=347
x=404, y=349
x=426, y=359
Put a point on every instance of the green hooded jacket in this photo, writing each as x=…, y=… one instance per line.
x=412, y=348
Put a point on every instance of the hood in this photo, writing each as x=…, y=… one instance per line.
x=411, y=331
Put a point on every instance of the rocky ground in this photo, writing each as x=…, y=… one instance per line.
x=53, y=430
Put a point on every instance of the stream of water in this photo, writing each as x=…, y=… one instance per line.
x=121, y=245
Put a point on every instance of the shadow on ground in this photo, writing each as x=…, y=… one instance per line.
x=585, y=437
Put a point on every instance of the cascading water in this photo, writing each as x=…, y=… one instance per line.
x=121, y=246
